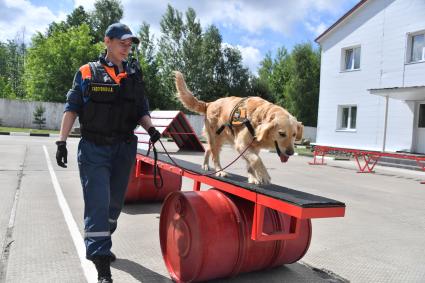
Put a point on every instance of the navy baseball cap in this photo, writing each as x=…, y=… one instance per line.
x=120, y=31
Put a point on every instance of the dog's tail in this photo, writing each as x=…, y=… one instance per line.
x=186, y=97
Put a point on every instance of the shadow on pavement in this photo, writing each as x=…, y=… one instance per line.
x=393, y=175
x=293, y=273
x=142, y=208
x=139, y=272
x=288, y=273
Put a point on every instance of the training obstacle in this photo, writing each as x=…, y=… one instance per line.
x=174, y=125
x=234, y=227
x=366, y=160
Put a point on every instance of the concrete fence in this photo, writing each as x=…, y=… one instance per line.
x=20, y=114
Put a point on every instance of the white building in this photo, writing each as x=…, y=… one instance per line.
x=372, y=83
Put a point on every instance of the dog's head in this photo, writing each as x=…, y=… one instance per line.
x=280, y=132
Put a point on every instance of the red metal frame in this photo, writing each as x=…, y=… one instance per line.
x=175, y=134
x=367, y=157
x=257, y=233
x=260, y=201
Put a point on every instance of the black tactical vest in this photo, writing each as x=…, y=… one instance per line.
x=110, y=115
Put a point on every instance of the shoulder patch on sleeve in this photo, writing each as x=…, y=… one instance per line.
x=85, y=72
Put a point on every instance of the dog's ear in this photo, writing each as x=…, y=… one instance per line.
x=263, y=130
x=300, y=131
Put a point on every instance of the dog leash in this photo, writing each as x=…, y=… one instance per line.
x=158, y=172
x=156, y=169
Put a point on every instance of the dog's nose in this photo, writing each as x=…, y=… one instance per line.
x=289, y=152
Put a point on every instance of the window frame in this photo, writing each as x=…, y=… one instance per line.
x=344, y=60
x=421, y=119
x=340, y=118
x=409, y=49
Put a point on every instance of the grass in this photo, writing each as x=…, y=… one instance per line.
x=303, y=151
x=27, y=130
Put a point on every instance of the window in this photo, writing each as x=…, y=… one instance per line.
x=421, y=122
x=417, y=47
x=347, y=117
x=351, y=59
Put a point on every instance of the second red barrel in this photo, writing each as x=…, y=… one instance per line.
x=206, y=235
x=141, y=186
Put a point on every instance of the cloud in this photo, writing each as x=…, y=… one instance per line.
x=251, y=56
x=316, y=29
x=87, y=4
x=252, y=16
x=17, y=16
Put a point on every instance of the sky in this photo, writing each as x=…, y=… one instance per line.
x=255, y=27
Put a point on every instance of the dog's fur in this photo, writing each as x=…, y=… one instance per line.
x=271, y=123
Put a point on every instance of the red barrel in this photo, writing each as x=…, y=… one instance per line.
x=141, y=185
x=206, y=235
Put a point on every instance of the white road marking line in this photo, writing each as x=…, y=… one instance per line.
x=88, y=268
x=14, y=207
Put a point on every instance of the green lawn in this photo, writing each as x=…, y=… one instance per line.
x=304, y=151
x=27, y=130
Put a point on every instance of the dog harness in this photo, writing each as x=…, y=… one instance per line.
x=237, y=118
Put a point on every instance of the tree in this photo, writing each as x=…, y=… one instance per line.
x=6, y=90
x=106, y=12
x=149, y=67
x=78, y=17
x=233, y=74
x=52, y=62
x=192, y=51
x=12, y=57
x=274, y=74
x=260, y=88
x=38, y=116
x=301, y=92
x=169, y=56
x=3, y=59
x=56, y=27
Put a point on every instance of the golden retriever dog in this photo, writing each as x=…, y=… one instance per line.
x=275, y=128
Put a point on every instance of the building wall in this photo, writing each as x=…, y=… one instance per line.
x=381, y=28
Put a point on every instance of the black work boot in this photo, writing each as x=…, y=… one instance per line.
x=103, y=267
x=112, y=257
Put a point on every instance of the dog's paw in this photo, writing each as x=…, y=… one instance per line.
x=262, y=179
x=221, y=174
x=251, y=179
x=205, y=167
x=266, y=180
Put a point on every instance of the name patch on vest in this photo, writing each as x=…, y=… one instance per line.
x=99, y=92
x=102, y=89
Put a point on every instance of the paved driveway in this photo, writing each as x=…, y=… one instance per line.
x=381, y=238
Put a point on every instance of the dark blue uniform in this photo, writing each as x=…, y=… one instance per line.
x=104, y=173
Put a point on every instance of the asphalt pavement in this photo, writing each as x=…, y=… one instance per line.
x=381, y=238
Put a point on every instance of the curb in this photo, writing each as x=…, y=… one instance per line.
x=23, y=134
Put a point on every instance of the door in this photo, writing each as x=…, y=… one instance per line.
x=420, y=128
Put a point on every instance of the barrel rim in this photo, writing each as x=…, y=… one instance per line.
x=162, y=234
